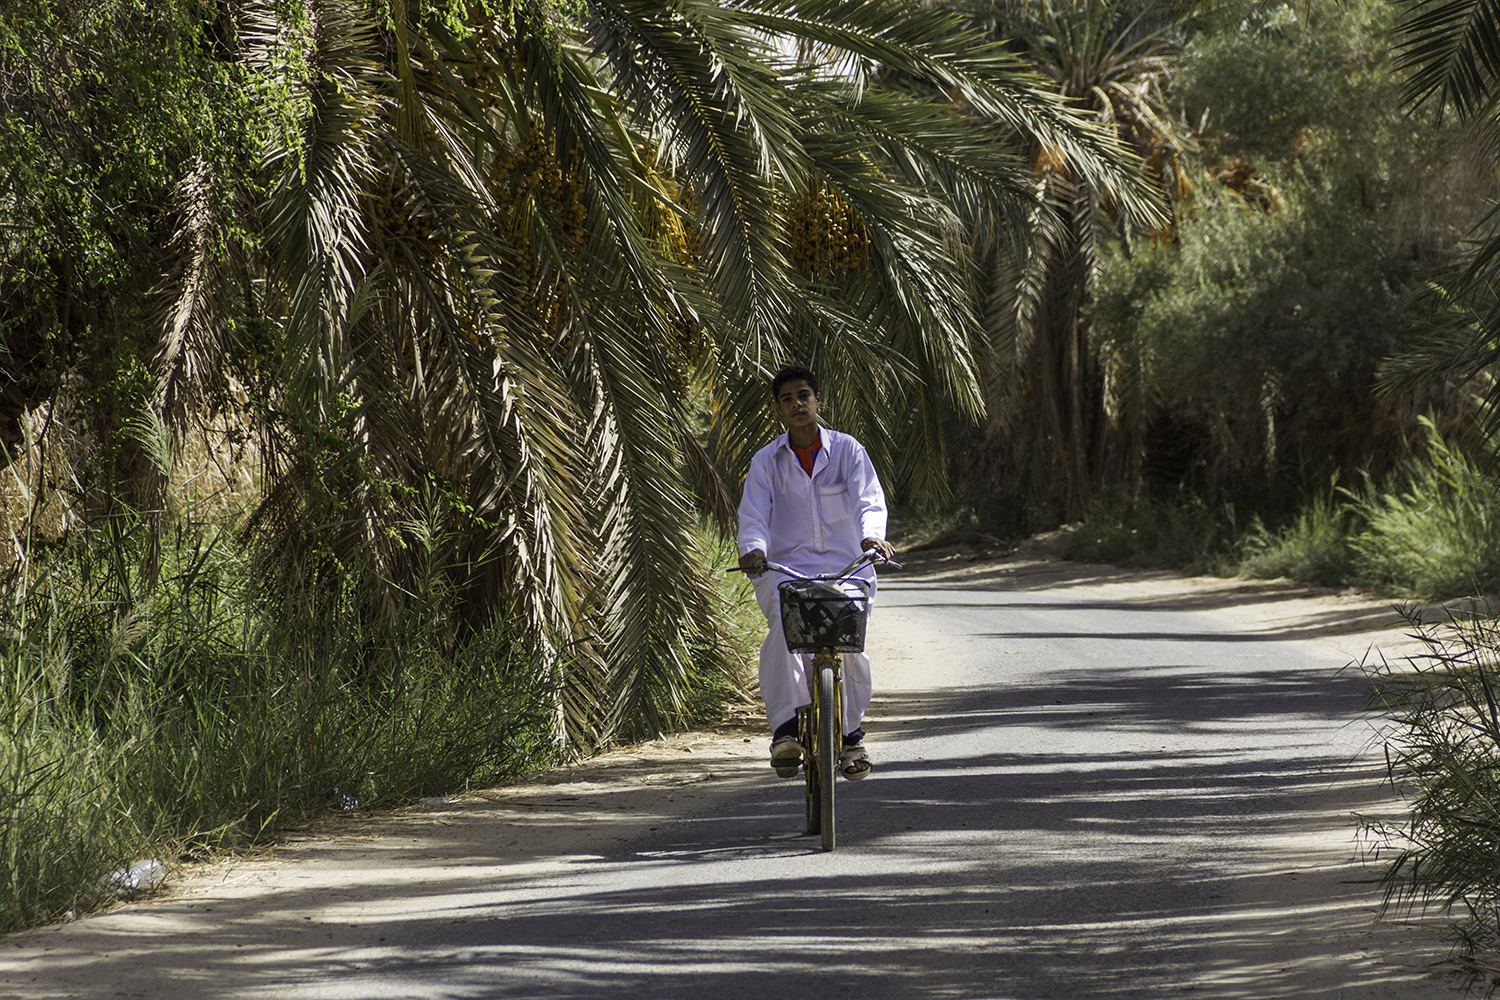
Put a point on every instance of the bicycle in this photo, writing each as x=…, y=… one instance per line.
x=822, y=618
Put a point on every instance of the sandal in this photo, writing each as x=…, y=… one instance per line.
x=856, y=763
x=786, y=756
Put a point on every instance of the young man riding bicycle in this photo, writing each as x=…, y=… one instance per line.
x=812, y=502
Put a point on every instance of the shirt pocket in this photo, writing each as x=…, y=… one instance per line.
x=836, y=503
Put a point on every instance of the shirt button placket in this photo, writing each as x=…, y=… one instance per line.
x=816, y=511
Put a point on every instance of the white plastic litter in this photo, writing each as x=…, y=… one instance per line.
x=143, y=876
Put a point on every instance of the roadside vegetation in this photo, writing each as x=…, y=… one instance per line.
x=161, y=701
x=1427, y=532
x=1430, y=532
x=177, y=719
x=1443, y=751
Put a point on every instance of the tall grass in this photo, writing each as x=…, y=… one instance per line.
x=1431, y=533
x=1316, y=547
x=1139, y=532
x=189, y=713
x=1437, y=534
x=1443, y=755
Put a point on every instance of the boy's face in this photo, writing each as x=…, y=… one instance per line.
x=797, y=404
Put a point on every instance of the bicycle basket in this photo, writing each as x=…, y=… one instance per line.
x=817, y=615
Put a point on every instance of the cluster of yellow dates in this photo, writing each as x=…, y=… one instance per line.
x=532, y=169
x=826, y=233
x=395, y=212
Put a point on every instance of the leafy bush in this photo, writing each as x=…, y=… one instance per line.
x=1256, y=339
x=1128, y=531
x=1240, y=354
x=1436, y=536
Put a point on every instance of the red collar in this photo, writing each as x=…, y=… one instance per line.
x=807, y=456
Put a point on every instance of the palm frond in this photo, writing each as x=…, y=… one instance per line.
x=314, y=221
x=1452, y=48
x=935, y=47
x=690, y=74
x=190, y=358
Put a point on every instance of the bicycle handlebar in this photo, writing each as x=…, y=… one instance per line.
x=869, y=556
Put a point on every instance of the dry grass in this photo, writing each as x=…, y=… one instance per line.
x=216, y=475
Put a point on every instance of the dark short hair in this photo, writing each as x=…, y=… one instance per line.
x=793, y=373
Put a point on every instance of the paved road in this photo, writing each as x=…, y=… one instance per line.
x=1074, y=796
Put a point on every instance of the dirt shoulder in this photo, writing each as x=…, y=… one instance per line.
x=207, y=915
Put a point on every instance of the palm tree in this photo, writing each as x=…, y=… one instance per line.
x=1063, y=420
x=1451, y=48
x=515, y=257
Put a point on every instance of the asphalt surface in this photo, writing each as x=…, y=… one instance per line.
x=1074, y=796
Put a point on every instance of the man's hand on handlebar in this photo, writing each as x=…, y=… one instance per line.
x=753, y=563
x=880, y=545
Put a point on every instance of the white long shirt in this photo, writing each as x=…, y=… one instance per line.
x=814, y=524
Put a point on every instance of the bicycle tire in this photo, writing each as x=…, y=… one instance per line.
x=829, y=737
x=807, y=734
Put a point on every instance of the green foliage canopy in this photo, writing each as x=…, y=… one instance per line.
x=1250, y=347
x=110, y=109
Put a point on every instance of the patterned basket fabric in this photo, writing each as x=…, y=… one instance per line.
x=816, y=614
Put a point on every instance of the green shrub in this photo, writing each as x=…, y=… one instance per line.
x=1317, y=547
x=1438, y=534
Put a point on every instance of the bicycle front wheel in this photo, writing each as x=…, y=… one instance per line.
x=829, y=738
x=807, y=734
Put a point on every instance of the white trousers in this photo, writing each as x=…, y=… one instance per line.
x=783, y=674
